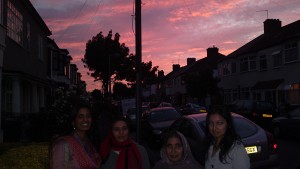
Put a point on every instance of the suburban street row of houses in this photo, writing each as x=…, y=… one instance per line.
x=267, y=68
x=32, y=66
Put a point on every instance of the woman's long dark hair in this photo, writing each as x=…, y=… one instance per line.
x=230, y=135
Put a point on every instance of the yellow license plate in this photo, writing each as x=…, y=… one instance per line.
x=251, y=149
x=267, y=115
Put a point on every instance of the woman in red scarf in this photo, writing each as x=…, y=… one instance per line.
x=76, y=151
x=119, y=151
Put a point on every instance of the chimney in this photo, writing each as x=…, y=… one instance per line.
x=176, y=67
x=161, y=74
x=190, y=60
x=271, y=26
x=212, y=51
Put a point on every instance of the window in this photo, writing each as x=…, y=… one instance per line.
x=245, y=93
x=244, y=64
x=263, y=62
x=28, y=36
x=226, y=69
x=277, y=59
x=252, y=62
x=8, y=96
x=55, y=60
x=40, y=48
x=244, y=128
x=233, y=67
x=1, y=12
x=14, y=23
x=291, y=52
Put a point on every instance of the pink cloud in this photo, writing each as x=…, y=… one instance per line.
x=172, y=30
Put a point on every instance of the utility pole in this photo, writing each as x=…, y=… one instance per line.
x=138, y=52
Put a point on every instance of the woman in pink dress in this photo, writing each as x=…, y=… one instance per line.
x=76, y=151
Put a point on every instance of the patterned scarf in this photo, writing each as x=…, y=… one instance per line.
x=84, y=160
x=129, y=155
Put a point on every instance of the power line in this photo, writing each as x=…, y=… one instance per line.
x=97, y=9
x=76, y=16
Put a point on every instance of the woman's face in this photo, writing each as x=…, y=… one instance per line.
x=174, y=149
x=83, y=120
x=217, y=127
x=120, y=131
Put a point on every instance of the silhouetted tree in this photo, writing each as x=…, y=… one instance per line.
x=105, y=56
x=121, y=90
x=149, y=73
x=97, y=94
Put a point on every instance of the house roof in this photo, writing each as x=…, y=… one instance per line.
x=202, y=64
x=264, y=41
x=37, y=16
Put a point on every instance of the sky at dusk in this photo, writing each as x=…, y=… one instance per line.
x=172, y=30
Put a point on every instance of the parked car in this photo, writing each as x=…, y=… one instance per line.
x=260, y=112
x=287, y=125
x=165, y=104
x=131, y=115
x=156, y=121
x=260, y=145
x=192, y=108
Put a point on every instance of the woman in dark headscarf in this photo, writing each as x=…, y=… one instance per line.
x=176, y=153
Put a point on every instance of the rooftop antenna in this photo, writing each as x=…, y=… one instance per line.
x=264, y=11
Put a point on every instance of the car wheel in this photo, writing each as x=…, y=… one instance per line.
x=276, y=131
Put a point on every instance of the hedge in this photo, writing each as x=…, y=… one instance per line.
x=31, y=156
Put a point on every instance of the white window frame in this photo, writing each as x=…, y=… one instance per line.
x=277, y=59
x=252, y=63
x=291, y=52
x=244, y=64
x=263, y=63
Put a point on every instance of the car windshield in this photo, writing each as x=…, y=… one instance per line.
x=195, y=106
x=164, y=115
x=243, y=127
x=295, y=113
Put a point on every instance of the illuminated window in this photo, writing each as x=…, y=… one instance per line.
x=14, y=23
x=296, y=86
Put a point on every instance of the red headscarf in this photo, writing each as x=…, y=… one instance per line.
x=129, y=155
